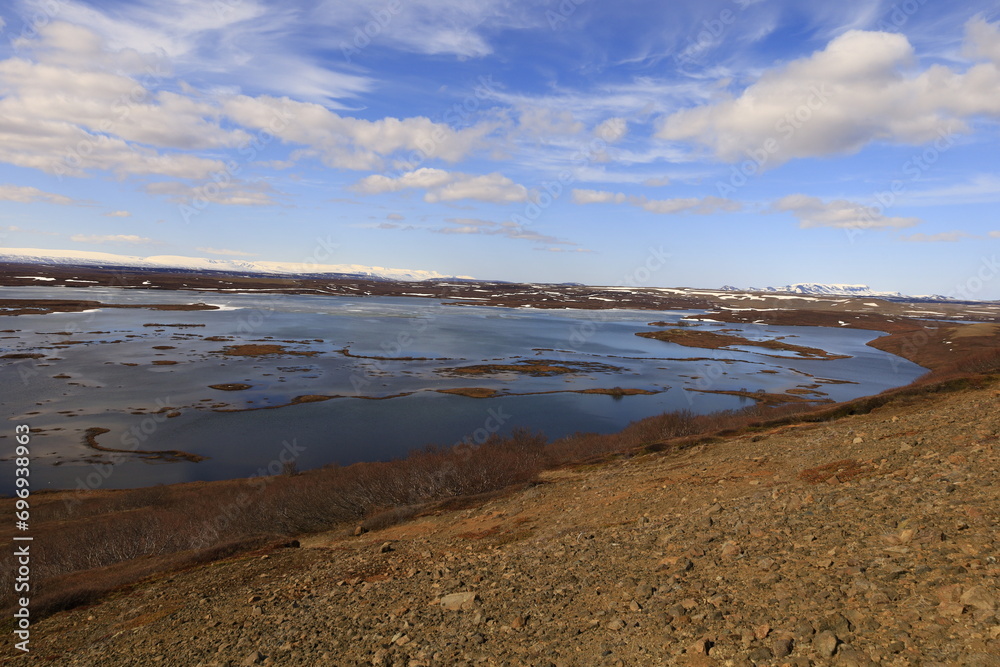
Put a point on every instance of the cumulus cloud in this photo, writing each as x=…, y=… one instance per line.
x=441, y=185
x=26, y=195
x=118, y=214
x=983, y=40
x=995, y=234
x=354, y=143
x=814, y=212
x=129, y=239
x=73, y=105
x=860, y=89
x=942, y=237
x=700, y=205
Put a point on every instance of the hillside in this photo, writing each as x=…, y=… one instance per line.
x=869, y=540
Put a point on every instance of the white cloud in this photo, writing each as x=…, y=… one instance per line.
x=73, y=105
x=441, y=185
x=232, y=193
x=506, y=229
x=26, y=195
x=130, y=239
x=612, y=130
x=354, y=143
x=597, y=197
x=118, y=214
x=840, y=213
x=983, y=40
x=942, y=237
x=436, y=27
x=657, y=182
x=226, y=252
x=858, y=90
x=702, y=205
x=995, y=234
x=212, y=40
x=546, y=122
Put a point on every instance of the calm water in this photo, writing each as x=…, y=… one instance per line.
x=109, y=380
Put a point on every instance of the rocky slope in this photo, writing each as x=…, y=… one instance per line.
x=867, y=541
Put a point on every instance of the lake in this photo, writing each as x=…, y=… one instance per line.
x=386, y=358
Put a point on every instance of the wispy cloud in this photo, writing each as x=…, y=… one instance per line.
x=941, y=237
x=444, y=186
x=814, y=212
x=26, y=195
x=127, y=239
x=700, y=205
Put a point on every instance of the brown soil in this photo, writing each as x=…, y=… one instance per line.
x=177, y=326
x=712, y=341
x=471, y=392
x=257, y=350
x=347, y=353
x=533, y=367
x=791, y=396
x=918, y=341
x=165, y=455
x=483, y=392
x=617, y=391
x=47, y=306
x=311, y=398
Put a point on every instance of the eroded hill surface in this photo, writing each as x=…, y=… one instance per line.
x=871, y=540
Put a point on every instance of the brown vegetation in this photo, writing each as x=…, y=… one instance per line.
x=256, y=350
x=167, y=455
x=230, y=386
x=534, y=367
x=471, y=392
x=712, y=341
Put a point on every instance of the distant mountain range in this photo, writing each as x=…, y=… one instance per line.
x=819, y=289
x=67, y=258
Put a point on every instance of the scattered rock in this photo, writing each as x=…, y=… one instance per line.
x=458, y=601
x=825, y=643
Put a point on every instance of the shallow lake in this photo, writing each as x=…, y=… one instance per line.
x=99, y=370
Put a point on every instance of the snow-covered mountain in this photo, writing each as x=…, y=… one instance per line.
x=177, y=262
x=819, y=289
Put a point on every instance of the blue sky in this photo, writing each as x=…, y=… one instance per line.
x=753, y=142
